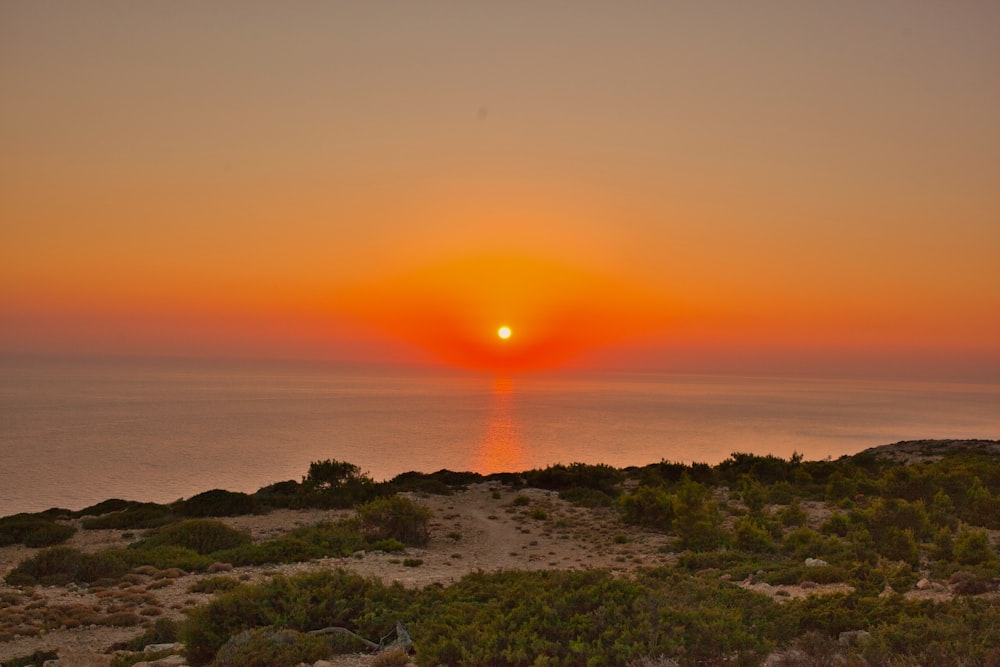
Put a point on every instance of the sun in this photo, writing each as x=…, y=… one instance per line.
x=504, y=332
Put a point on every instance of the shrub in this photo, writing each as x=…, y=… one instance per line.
x=138, y=515
x=33, y=530
x=793, y=515
x=393, y=658
x=896, y=544
x=583, y=497
x=972, y=547
x=396, y=517
x=333, y=483
x=838, y=524
x=217, y=502
x=603, y=478
x=751, y=534
x=106, y=506
x=279, y=494
x=62, y=565
x=163, y=631
x=970, y=583
x=203, y=536
x=697, y=517
x=214, y=585
x=648, y=506
x=270, y=647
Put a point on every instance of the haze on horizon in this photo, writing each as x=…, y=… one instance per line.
x=695, y=186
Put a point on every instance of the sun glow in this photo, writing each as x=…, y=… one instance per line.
x=504, y=332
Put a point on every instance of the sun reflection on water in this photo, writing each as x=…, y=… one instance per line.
x=500, y=448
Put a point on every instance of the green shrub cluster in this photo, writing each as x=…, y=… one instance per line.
x=272, y=647
x=33, y=530
x=594, y=484
x=514, y=618
x=217, y=502
x=336, y=484
x=202, y=536
x=194, y=544
x=595, y=618
x=133, y=516
x=396, y=518
x=688, y=512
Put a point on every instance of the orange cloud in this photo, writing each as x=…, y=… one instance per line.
x=453, y=309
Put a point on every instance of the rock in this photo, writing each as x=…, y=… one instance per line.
x=50, y=663
x=322, y=663
x=923, y=584
x=155, y=648
x=816, y=562
x=83, y=659
x=854, y=637
x=215, y=568
x=169, y=661
x=887, y=592
x=726, y=577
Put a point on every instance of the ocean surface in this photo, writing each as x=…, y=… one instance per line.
x=75, y=432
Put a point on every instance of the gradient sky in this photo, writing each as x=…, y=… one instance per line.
x=765, y=186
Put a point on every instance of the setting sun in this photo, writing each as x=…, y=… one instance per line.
x=504, y=332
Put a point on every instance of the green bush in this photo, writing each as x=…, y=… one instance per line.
x=560, y=477
x=751, y=534
x=270, y=647
x=214, y=585
x=511, y=618
x=33, y=530
x=168, y=557
x=62, y=565
x=972, y=547
x=648, y=506
x=106, y=507
x=217, y=502
x=583, y=497
x=697, y=520
x=163, y=631
x=336, y=484
x=398, y=518
x=136, y=516
x=203, y=536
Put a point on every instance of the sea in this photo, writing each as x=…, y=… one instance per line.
x=76, y=431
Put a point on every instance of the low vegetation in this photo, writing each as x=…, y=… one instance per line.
x=193, y=545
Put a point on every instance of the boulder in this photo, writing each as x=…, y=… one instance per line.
x=816, y=562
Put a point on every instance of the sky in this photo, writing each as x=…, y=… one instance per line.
x=776, y=186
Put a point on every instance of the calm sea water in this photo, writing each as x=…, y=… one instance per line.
x=73, y=433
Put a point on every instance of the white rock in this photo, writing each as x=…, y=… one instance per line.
x=155, y=648
x=816, y=562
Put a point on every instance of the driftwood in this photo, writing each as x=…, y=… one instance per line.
x=402, y=642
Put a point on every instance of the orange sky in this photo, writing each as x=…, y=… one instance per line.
x=781, y=187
